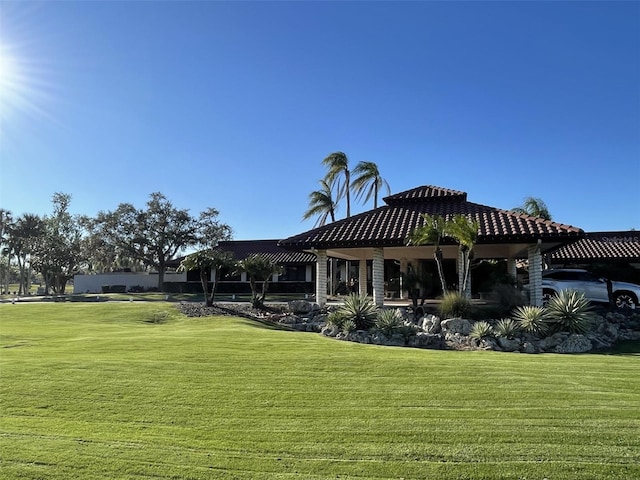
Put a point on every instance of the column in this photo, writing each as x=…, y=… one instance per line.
x=512, y=269
x=378, y=276
x=362, y=276
x=321, y=277
x=403, y=271
x=535, y=275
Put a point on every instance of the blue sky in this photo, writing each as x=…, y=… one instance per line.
x=233, y=105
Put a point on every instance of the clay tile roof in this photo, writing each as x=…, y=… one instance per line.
x=623, y=246
x=242, y=249
x=390, y=225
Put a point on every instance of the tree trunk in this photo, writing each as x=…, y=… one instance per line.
x=438, y=256
x=161, y=268
x=205, y=283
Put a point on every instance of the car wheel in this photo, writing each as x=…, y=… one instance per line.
x=625, y=300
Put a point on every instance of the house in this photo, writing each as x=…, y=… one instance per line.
x=377, y=238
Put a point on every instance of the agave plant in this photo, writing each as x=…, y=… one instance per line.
x=388, y=322
x=532, y=319
x=348, y=326
x=570, y=311
x=360, y=309
x=506, y=328
x=480, y=330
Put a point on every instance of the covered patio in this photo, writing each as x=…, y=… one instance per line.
x=381, y=234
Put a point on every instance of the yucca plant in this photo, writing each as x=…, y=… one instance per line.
x=335, y=318
x=348, y=326
x=507, y=328
x=454, y=305
x=570, y=311
x=532, y=319
x=360, y=309
x=480, y=330
x=388, y=322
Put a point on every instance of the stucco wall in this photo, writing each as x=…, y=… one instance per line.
x=94, y=283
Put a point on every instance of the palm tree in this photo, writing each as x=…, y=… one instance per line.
x=338, y=165
x=431, y=233
x=206, y=261
x=368, y=182
x=465, y=231
x=258, y=268
x=321, y=204
x=534, y=207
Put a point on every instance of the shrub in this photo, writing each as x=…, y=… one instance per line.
x=388, y=322
x=531, y=319
x=506, y=328
x=569, y=311
x=480, y=330
x=508, y=297
x=360, y=309
x=348, y=326
x=454, y=305
x=335, y=318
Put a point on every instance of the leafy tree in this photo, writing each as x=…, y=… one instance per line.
x=321, y=204
x=153, y=235
x=338, y=166
x=368, y=182
x=22, y=241
x=465, y=231
x=259, y=269
x=431, y=233
x=534, y=207
x=59, y=254
x=6, y=224
x=206, y=261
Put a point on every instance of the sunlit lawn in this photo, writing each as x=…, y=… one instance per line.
x=136, y=391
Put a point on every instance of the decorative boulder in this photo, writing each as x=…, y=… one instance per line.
x=508, y=345
x=302, y=306
x=575, y=344
x=456, y=325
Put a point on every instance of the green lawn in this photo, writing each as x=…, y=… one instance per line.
x=136, y=391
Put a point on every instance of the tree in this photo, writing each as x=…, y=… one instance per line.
x=259, y=269
x=465, y=231
x=22, y=241
x=321, y=204
x=431, y=233
x=59, y=252
x=534, y=207
x=368, y=182
x=338, y=166
x=153, y=235
x=6, y=224
x=206, y=261
x=209, y=232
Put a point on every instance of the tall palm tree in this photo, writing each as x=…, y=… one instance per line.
x=338, y=166
x=6, y=224
x=368, y=182
x=321, y=204
x=465, y=231
x=535, y=207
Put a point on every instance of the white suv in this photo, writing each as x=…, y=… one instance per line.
x=594, y=288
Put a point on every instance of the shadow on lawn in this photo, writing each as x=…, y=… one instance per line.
x=628, y=347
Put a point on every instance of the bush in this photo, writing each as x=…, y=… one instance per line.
x=531, y=319
x=348, y=326
x=569, y=311
x=454, y=305
x=388, y=322
x=360, y=309
x=506, y=328
x=480, y=330
x=335, y=318
x=508, y=297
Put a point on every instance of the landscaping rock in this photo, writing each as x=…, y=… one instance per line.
x=302, y=306
x=508, y=345
x=456, y=325
x=575, y=344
